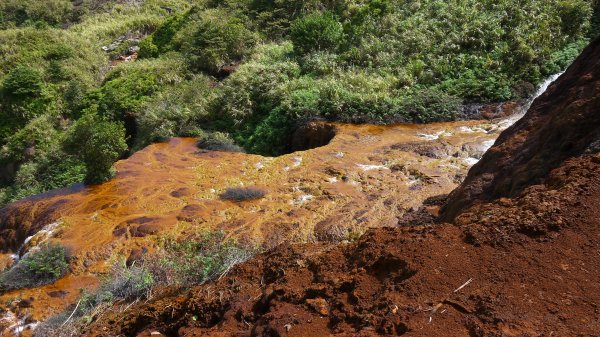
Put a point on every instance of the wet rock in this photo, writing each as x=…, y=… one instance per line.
x=25, y=303
x=121, y=230
x=136, y=255
x=151, y=333
x=181, y=192
x=190, y=213
x=436, y=149
x=145, y=230
x=132, y=50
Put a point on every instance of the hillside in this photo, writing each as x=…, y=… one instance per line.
x=299, y=168
x=85, y=83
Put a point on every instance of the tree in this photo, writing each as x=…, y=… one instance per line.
x=99, y=143
x=21, y=83
x=316, y=32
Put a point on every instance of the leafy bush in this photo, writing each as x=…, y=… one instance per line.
x=243, y=193
x=36, y=268
x=427, y=106
x=214, y=40
x=316, y=32
x=21, y=83
x=20, y=12
x=175, y=111
x=218, y=141
x=49, y=171
x=98, y=143
x=128, y=87
x=161, y=40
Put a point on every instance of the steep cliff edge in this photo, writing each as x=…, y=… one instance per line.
x=562, y=123
x=521, y=261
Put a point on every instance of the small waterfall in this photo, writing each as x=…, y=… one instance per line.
x=505, y=123
x=500, y=125
x=541, y=90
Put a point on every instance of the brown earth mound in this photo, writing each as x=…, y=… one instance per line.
x=523, y=265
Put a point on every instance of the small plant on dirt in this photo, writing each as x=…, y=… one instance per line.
x=198, y=259
x=124, y=285
x=188, y=262
x=44, y=266
x=243, y=193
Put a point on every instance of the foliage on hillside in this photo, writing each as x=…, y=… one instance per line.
x=252, y=70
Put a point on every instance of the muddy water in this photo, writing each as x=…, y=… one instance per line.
x=367, y=176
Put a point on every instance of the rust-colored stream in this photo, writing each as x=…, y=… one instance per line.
x=368, y=176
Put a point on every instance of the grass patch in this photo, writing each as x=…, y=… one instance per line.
x=243, y=194
x=180, y=263
x=43, y=266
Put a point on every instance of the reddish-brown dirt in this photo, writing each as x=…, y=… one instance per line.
x=519, y=259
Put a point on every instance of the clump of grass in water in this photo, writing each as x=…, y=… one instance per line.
x=243, y=193
x=44, y=266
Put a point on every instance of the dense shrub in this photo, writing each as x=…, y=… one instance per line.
x=427, y=106
x=21, y=83
x=161, y=40
x=43, y=266
x=176, y=111
x=316, y=32
x=214, y=40
x=243, y=193
x=98, y=143
x=20, y=12
x=218, y=141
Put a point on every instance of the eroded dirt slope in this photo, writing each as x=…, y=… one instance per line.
x=521, y=258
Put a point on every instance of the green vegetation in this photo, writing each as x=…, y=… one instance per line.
x=43, y=266
x=177, y=263
x=316, y=32
x=98, y=143
x=197, y=259
x=251, y=71
x=218, y=141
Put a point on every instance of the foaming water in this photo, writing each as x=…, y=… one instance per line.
x=506, y=123
x=491, y=129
